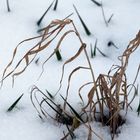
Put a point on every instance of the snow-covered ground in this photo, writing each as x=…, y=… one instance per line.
x=19, y=24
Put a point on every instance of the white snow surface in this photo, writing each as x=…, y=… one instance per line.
x=23, y=122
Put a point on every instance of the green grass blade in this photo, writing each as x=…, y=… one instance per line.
x=138, y=109
x=39, y=21
x=101, y=52
x=95, y=47
x=82, y=22
x=93, y=52
x=97, y=3
x=110, y=18
x=8, y=6
x=55, y=6
x=58, y=55
x=50, y=95
x=14, y=104
x=73, y=110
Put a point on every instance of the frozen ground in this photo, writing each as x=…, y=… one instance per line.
x=19, y=24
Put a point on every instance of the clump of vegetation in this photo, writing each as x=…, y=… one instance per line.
x=111, y=92
x=107, y=97
x=93, y=51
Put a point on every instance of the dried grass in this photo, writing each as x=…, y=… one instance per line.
x=111, y=91
x=107, y=97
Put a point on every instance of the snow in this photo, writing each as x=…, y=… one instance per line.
x=19, y=24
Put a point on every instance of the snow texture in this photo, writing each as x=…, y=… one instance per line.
x=23, y=122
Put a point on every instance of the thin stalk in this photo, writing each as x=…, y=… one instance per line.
x=101, y=52
x=86, y=54
x=110, y=18
x=90, y=66
x=89, y=63
x=103, y=13
x=110, y=43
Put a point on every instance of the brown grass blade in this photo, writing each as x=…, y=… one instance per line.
x=70, y=60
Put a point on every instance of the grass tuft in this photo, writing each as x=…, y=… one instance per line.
x=93, y=52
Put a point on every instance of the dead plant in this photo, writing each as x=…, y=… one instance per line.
x=107, y=97
x=111, y=92
x=48, y=35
